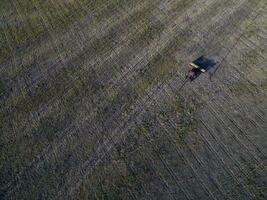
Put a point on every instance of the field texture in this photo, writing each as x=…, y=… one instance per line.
x=90, y=105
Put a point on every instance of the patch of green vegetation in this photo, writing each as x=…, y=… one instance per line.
x=251, y=57
x=155, y=72
x=253, y=29
x=161, y=67
x=182, y=5
x=15, y=155
x=146, y=32
x=114, y=179
x=118, y=178
x=4, y=6
x=53, y=87
x=183, y=113
x=142, y=28
x=114, y=190
x=256, y=183
x=242, y=88
x=111, y=181
x=239, y=88
x=32, y=142
x=2, y=88
x=263, y=84
x=43, y=188
x=29, y=21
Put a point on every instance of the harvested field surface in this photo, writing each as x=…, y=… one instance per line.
x=91, y=105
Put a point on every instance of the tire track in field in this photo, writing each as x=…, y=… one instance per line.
x=171, y=171
x=137, y=176
x=224, y=165
x=197, y=166
x=206, y=173
x=234, y=100
x=210, y=144
x=140, y=113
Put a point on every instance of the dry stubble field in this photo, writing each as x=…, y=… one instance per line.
x=90, y=106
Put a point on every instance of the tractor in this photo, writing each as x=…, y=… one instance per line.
x=201, y=65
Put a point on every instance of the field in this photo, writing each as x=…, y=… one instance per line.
x=91, y=105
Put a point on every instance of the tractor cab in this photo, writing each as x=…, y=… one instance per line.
x=199, y=66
